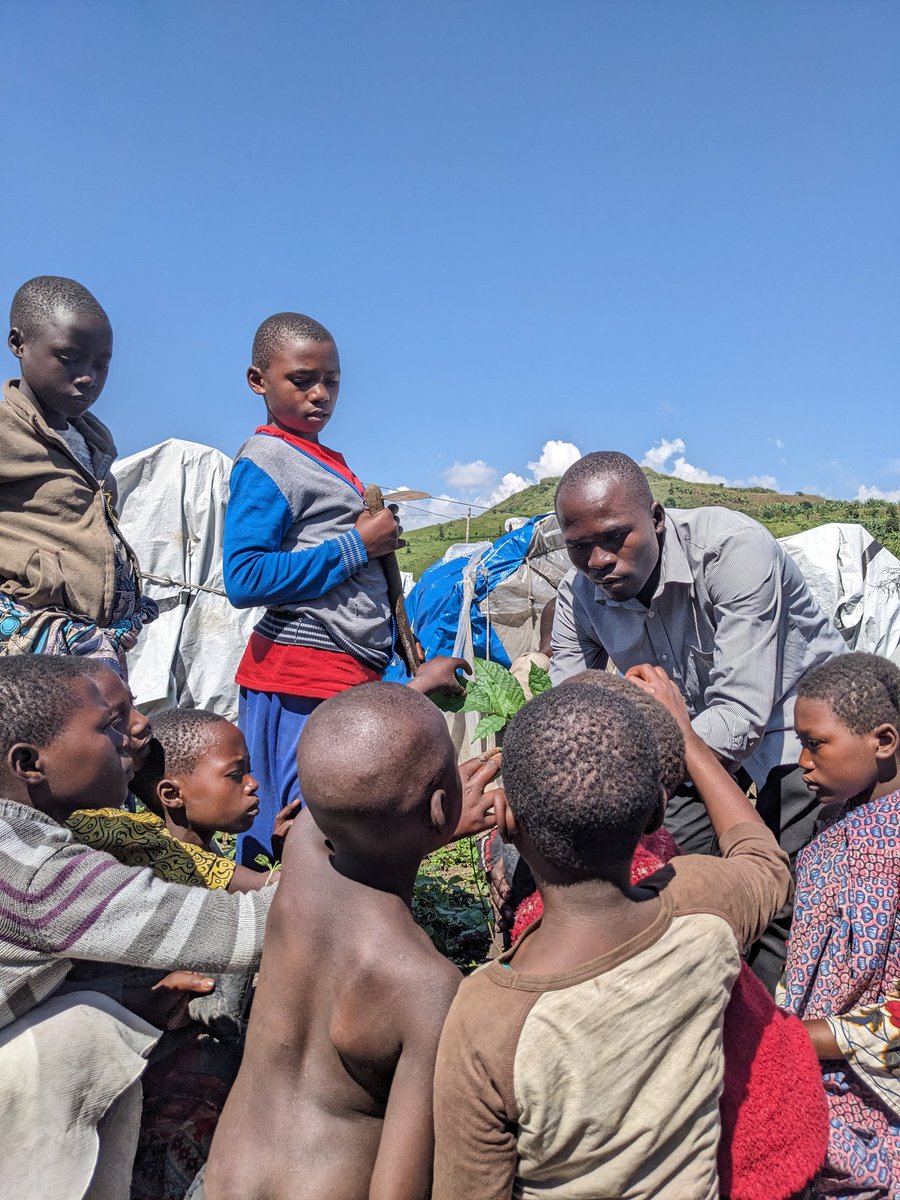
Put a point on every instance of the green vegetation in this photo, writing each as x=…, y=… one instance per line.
x=781, y=514
x=452, y=906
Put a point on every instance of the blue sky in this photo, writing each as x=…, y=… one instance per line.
x=664, y=227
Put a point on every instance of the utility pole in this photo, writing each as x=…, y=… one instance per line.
x=468, y=519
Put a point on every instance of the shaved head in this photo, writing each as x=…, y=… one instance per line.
x=282, y=328
x=604, y=465
x=373, y=754
x=40, y=299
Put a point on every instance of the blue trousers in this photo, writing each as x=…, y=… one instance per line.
x=272, y=724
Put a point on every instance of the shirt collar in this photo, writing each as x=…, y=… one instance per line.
x=675, y=569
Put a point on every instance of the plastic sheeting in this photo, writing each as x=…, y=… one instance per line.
x=172, y=501
x=856, y=582
x=488, y=603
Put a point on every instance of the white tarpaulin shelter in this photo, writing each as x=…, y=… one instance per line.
x=172, y=501
x=856, y=581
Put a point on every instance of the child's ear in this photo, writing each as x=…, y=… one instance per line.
x=658, y=815
x=507, y=826
x=24, y=762
x=439, y=811
x=887, y=739
x=255, y=379
x=169, y=794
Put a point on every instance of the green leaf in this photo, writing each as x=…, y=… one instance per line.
x=496, y=690
x=447, y=702
x=492, y=723
x=538, y=680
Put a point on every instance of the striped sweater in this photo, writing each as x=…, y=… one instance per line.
x=60, y=900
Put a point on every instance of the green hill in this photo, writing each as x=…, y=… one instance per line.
x=781, y=514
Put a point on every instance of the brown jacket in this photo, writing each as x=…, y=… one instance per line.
x=56, y=540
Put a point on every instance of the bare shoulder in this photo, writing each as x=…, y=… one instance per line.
x=426, y=981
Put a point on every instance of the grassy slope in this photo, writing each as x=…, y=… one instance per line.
x=782, y=514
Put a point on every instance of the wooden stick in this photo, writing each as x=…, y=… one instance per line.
x=406, y=642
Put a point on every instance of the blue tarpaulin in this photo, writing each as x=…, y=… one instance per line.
x=435, y=603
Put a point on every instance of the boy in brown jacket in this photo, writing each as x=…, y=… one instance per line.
x=69, y=582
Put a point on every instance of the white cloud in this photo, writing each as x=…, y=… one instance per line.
x=480, y=485
x=471, y=476
x=508, y=486
x=682, y=469
x=555, y=457
x=658, y=457
x=876, y=493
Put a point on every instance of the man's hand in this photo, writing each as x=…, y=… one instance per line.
x=477, y=805
x=380, y=532
x=439, y=675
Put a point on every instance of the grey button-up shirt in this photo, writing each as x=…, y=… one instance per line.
x=732, y=622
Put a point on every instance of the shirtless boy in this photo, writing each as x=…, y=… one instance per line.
x=333, y=1100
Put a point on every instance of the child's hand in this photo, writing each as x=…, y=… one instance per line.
x=500, y=892
x=655, y=681
x=477, y=806
x=283, y=822
x=439, y=675
x=167, y=1005
x=380, y=531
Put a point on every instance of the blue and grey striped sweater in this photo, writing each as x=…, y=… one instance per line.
x=290, y=546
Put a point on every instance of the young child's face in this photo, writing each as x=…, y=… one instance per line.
x=837, y=763
x=66, y=361
x=301, y=386
x=87, y=764
x=220, y=793
x=131, y=723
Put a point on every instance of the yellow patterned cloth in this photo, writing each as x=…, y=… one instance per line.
x=142, y=840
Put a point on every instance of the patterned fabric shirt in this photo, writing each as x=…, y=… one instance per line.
x=732, y=622
x=843, y=963
x=60, y=900
x=142, y=840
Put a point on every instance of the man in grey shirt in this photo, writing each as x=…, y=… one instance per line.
x=710, y=596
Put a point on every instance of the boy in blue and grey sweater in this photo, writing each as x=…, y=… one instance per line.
x=300, y=542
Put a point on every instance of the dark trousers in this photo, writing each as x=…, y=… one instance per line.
x=789, y=809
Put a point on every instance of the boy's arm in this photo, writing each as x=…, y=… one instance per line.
x=85, y=904
x=256, y=570
x=726, y=804
x=406, y=1150
x=752, y=880
x=476, y=1149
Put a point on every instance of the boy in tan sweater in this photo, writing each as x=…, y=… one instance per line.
x=587, y=1061
x=69, y=582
